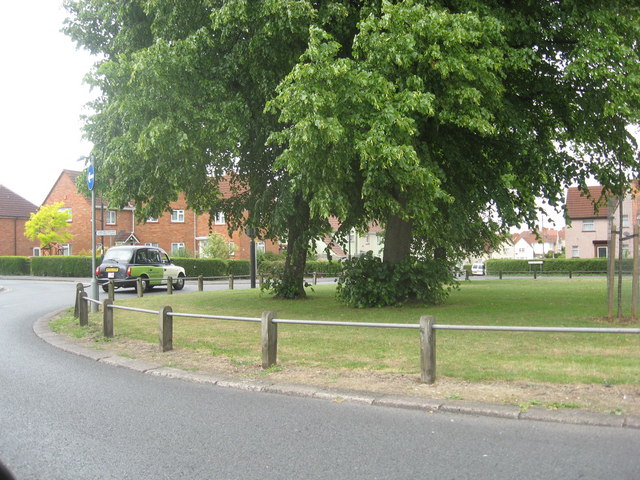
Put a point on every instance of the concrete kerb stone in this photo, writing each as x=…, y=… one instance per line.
x=41, y=329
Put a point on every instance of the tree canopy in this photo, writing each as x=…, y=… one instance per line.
x=49, y=225
x=441, y=120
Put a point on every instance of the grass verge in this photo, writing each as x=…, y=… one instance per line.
x=473, y=356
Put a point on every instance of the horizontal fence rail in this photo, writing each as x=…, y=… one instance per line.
x=269, y=328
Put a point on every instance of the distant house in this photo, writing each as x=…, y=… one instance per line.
x=591, y=217
x=14, y=214
x=529, y=244
x=176, y=231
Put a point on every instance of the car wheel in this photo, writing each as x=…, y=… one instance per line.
x=146, y=284
x=179, y=284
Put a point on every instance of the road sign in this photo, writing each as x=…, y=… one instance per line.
x=105, y=233
x=91, y=177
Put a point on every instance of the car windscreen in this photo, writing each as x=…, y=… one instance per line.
x=117, y=256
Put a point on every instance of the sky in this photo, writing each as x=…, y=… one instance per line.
x=42, y=98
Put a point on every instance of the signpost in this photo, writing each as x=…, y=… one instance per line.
x=91, y=183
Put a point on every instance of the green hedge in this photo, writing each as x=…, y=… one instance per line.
x=62, y=266
x=207, y=267
x=587, y=265
x=276, y=268
x=14, y=266
x=239, y=267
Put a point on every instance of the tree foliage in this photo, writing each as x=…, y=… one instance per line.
x=49, y=225
x=216, y=247
x=440, y=120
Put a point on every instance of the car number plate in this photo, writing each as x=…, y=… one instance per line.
x=112, y=269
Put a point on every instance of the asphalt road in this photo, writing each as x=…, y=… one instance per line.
x=68, y=417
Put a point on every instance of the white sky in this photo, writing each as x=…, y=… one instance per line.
x=41, y=98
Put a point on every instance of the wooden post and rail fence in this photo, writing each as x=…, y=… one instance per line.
x=269, y=328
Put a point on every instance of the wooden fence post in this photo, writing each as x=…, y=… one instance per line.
x=269, y=340
x=200, y=283
x=166, y=329
x=315, y=278
x=79, y=290
x=83, y=309
x=107, y=318
x=427, y=349
x=500, y=274
x=230, y=282
x=112, y=290
x=139, y=286
x=170, y=285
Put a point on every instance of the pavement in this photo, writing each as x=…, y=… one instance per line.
x=514, y=412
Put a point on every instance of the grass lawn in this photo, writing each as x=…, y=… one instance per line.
x=475, y=356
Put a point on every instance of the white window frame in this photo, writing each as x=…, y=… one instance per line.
x=625, y=221
x=112, y=217
x=69, y=211
x=177, y=216
x=175, y=246
x=232, y=248
x=218, y=219
x=588, y=225
x=152, y=220
x=66, y=249
x=151, y=244
x=606, y=249
x=36, y=252
x=575, y=251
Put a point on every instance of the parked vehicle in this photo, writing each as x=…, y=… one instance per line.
x=477, y=269
x=125, y=264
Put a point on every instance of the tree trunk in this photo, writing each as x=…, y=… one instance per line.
x=397, y=240
x=298, y=245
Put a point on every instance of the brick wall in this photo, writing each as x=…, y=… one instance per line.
x=12, y=239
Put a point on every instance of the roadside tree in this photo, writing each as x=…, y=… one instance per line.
x=49, y=225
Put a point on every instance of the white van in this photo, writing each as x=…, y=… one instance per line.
x=477, y=269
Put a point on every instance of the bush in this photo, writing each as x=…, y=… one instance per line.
x=62, y=266
x=239, y=267
x=14, y=266
x=207, y=267
x=368, y=282
x=275, y=268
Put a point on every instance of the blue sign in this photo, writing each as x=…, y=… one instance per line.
x=91, y=177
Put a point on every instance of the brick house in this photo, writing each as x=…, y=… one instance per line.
x=180, y=229
x=590, y=219
x=14, y=214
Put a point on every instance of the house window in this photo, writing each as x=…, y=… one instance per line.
x=588, y=226
x=232, y=248
x=602, y=252
x=177, y=216
x=625, y=221
x=36, y=251
x=219, y=219
x=152, y=220
x=260, y=247
x=575, y=252
x=177, y=247
x=68, y=210
x=151, y=244
x=65, y=249
x=111, y=217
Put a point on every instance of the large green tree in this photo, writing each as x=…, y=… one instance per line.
x=183, y=88
x=445, y=120
x=441, y=120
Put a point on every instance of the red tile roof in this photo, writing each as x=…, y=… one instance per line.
x=580, y=205
x=13, y=205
